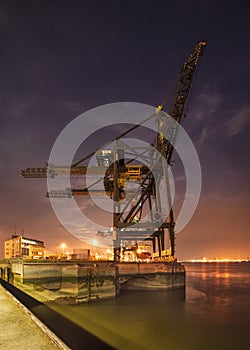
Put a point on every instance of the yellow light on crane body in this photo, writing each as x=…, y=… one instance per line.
x=159, y=108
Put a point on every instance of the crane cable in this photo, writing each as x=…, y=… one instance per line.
x=160, y=107
x=115, y=139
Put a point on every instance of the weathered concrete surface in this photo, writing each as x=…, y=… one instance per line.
x=66, y=282
x=151, y=276
x=21, y=330
x=76, y=282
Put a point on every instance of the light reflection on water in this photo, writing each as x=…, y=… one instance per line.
x=214, y=313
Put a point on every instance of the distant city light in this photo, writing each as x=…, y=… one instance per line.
x=204, y=259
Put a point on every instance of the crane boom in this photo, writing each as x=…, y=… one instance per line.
x=128, y=171
x=179, y=103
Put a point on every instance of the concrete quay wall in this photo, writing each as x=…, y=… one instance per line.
x=74, y=282
x=22, y=330
x=151, y=276
x=65, y=282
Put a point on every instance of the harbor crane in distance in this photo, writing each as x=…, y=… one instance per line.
x=122, y=168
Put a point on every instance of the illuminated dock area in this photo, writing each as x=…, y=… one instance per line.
x=21, y=330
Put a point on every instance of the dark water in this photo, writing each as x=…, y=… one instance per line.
x=214, y=314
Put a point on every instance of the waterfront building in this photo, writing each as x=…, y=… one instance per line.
x=82, y=254
x=23, y=247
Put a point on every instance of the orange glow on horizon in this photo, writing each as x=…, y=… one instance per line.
x=204, y=259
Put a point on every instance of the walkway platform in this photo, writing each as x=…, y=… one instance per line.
x=21, y=330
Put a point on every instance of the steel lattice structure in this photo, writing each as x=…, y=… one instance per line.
x=137, y=214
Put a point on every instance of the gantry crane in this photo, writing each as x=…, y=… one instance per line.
x=124, y=165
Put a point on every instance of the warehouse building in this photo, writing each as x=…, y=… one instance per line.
x=22, y=247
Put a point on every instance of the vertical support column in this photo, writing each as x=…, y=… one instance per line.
x=172, y=238
x=116, y=207
x=171, y=235
x=162, y=239
x=159, y=243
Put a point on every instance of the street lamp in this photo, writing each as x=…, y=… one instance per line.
x=63, y=246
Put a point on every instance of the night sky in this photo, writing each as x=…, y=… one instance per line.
x=61, y=58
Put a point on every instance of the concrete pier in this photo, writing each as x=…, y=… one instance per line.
x=78, y=281
x=65, y=282
x=152, y=276
x=21, y=330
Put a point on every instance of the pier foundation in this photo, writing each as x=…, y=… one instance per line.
x=78, y=281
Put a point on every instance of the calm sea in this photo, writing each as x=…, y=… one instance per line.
x=213, y=314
